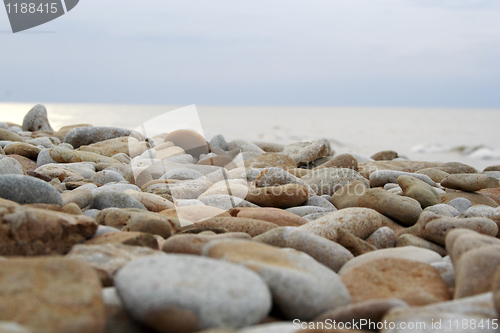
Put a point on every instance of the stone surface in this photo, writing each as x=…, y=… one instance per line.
x=315, y=287
x=23, y=149
x=82, y=136
x=132, y=238
x=237, y=224
x=51, y=295
x=81, y=197
x=274, y=215
x=382, y=177
x=120, y=218
x=268, y=160
x=194, y=243
x=201, y=293
x=6, y=135
x=345, y=161
x=329, y=180
x=382, y=238
x=104, y=200
x=354, y=244
x=63, y=155
x=414, y=188
x=152, y=202
x=9, y=166
x=460, y=204
x=194, y=214
x=306, y=152
x=36, y=119
x=25, y=189
x=470, y=182
x=434, y=174
x=225, y=202
x=385, y=155
x=31, y=231
x=416, y=283
x=283, y=196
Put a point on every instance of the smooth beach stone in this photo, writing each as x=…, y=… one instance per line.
x=354, y=244
x=190, y=189
x=201, y=293
x=283, y=196
x=460, y=204
x=72, y=208
x=6, y=135
x=366, y=168
x=306, y=152
x=361, y=222
x=9, y=166
x=221, y=161
x=237, y=224
x=194, y=214
x=407, y=252
x=23, y=149
x=274, y=215
x=102, y=229
x=306, y=210
x=382, y=238
x=152, y=224
x=320, y=201
x=44, y=158
x=218, y=141
x=132, y=238
x=45, y=142
x=461, y=241
x=316, y=288
x=82, y=136
x=276, y=176
x=193, y=244
x=447, y=272
x=414, y=188
x=443, y=209
x=120, y=218
x=152, y=202
x=329, y=180
x=51, y=295
x=225, y=202
x=107, y=176
x=30, y=231
x=483, y=211
x=230, y=187
x=475, y=198
x=270, y=147
x=435, y=174
x=330, y=254
x=109, y=147
x=36, y=120
x=456, y=168
x=190, y=141
x=416, y=283
x=107, y=259
x=268, y=160
x=385, y=155
x=244, y=146
x=27, y=165
x=25, y=189
x=404, y=210
x=114, y=188
x=382, y=177
x=470, y=182
x=371, y=310
x=411, y=240
x=104, y=200
x=60, y=172
x=344, y=161
x=61, y=155
x=188, y=202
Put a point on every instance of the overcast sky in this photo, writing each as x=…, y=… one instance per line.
x=259, y=52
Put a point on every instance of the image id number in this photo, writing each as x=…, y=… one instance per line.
x=31, y=8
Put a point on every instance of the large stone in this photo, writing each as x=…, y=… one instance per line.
x=183, y=293
x=283, y=196
x=51, y=295
x=414, y=188
x=25, y=189
x=435, y=174
x=329, y=180
x=470, y=182
x=315, y=289
x=62, y=155
x=109, y=147
x=82, y=136
x=274, y=215
x=36, y=120
x=31, y=231
x=416, y=283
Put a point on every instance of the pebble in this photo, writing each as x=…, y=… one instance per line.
x=51, y=294
x=470, y=182
x=106, y=199
x=329, y=180
x=382, y=177
x=411, y=240
x=460, y=204
x=244, y=146
x=25, y=189
x=385, y=155
x=10, y=166
x=306, y=210
x=320, y=201
x=121, y=218
x=274, y=215
x=110, y=147
x=443, y=209
x=434, y=174
x=268, y=160
x=36, y=120
x=132, y=238
x=354, y=244
x=231, y=187
x=382, y=238
x=344, y=161
x=82, y=136
x=475, y=198
x=276, y=176
x=316, y=288
x=283, y=196
x=107, y=176
x=306, y=152
x=225, y=202
x=194, y=214
x=63, y=155
x=23, y=149
x=201, y=293
x=193, y=244
x=237, y=224
x=419, y=190
x=152, y=202
x=218, y=141
x=183, y=174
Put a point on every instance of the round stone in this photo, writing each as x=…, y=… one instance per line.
x=189, y=140
x=26, y=190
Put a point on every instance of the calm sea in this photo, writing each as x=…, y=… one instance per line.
x=463, y=135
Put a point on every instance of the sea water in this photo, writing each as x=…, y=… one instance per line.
x=428, y=134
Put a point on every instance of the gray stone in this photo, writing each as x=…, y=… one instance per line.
x=382, y=238
x=443, y=209
x=306, y=152
x=315, y=216
x=320, y=201
x=191, y=293
x=382, y=177
x=183, y=174
x=104, y=200
x=104, y=229
x=9, y=166
x=218, y=141
x=44, y=158
x=36, y=120
x=225, y=202
x=25, y=189
x=115, y=188
x=245, y=146
x=460, y=204
x=107, y=176
x=81, y=136
x=307, y=210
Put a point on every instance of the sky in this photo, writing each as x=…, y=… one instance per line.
x=430, y=53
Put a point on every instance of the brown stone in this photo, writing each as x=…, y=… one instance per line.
x=367, y=168
x=434, y=174
x=411, y=240
x=28, y=231
x=414, y=282
x=284, y=196
x=51, y=295
x=354, y=244
x=456, y=167
x=274, y=215
x=492, y=193
x=385, y=155
x=222, y=161
x=268, y=160
x=6, y=135
x=346, y=161
x=62, y=155
x=194, y=213
x=237, y=224
x=153, y=202
x=108, y=147
x=470, y=182
x=81, y=197
x=194, y=243
x=120, y=218
x=132, y=238
x=189, y=140
x=475, y=198
x=27, y=164
x=23, y=149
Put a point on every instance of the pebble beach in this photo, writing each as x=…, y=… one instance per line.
x=104, y=229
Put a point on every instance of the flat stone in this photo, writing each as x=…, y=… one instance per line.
x=107, y=176
x=152, y=202
x=416, y=283
x=230, y=187
x=283, y=196
x=385, y=155
x=36, y=120
x=107, y=259
x=62, y=155
x=470, y=182
x=194, y=214
x=382, y=238
x=274, y=215
x=23, y=149
x=201, y=293
x=443, y=209
x=194, y=243
x=110, y=147
x=382, y=177
x=329, y=180
x=6, y=135
x=306, y=152
x=132, y=238
x=58, y=171
x=221, y=161
x=51, y=295
x=434, y=174
x=104, y=200
x=82, y=136
x=414, y=188
x=330, y=254
x=121, y=218
x=268, y=160
x=475, y=198
x=344, y=161
x=238, y=224
x=276, y=176
x=225, y=202
x=316, y=288
x=456, y=167
x=367, y=168
x=25, y=189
